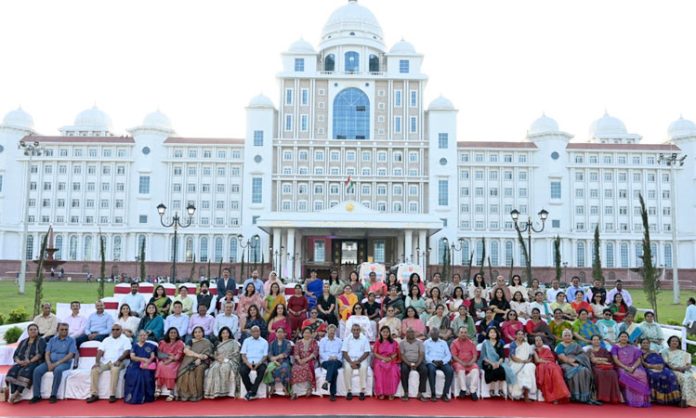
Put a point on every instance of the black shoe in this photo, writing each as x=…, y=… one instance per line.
x=349, y=396
x=332, y=398
x=35, y=400
x=433, y=398
x=247, y=396
x=112, y=399
x=362, y=396
x=52, y=399
x=92, y=399
x=462, y=394
x=325, y=386
x=445, y=398
x=474, y=397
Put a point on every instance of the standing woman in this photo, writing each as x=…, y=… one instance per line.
x=598, y=307
x=297, y=310
x=278, y=319
x=605, y=378
x=522, y=364
x=273, y=299
x=252, y=318
x=249, y=298
x=492, y=361
x=633, y=378
x=335, y=284
x=549, y=375
x=326, y=305
x=359, y=318
x=189, y=382
x=680, y=363
x=152, y=323
x=129, y=322
x=305, y=355
x=663, y=382
x=346, y=301
x=500, y=305
x=414, y=300
x=29, y=354
x=170, y=354
x=385, y=364
x=577, y=369
x=273, y=279
x=139, y=380
x=278, y=370
x=225, y=367
x=161, y=300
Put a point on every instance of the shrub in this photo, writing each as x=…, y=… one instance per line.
x=13, y=334
x=2, y=319
x=17, y=315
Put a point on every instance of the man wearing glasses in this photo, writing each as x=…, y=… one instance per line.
x=111, y=356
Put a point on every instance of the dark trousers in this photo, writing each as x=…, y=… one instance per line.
x=244, y=371
x=332, y=367
x=449, y=374
x=422, y=377
x=84, y=338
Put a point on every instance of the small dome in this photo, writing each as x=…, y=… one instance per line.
x=93, y=119
x=607, y=126
x=681, y=128
x=261, y=101
x=18, y=119
x=542, y=125
x=350, y=19
x=403, y=48
x=441, y=103
x=158, y=121
x=301, y=47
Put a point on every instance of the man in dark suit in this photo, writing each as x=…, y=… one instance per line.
x=225, y=283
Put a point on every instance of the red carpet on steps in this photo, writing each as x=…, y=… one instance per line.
x=316, y=406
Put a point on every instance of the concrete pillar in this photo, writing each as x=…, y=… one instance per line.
x=408, y=250
x=423, y=245
x=276, y=249
x=400, y=251
x=290, y=245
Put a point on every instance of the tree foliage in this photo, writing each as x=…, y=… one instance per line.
x=651, y=282
x=38, y=281
x=557, y=257
x=142, y=261
x=596, y=257
x=102, y=267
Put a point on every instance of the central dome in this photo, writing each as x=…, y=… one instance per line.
x=543, y=125
x=351, y=22
x=607, y=127
x=93, y=119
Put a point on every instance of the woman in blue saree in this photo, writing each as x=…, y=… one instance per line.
x=139, y=381
x=491, y=361
x=152, y=323
x=664, y=386
x=584, y=328
x=577, y=369
x=278, y=370
x=28, y=355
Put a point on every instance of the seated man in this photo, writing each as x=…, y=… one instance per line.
x=59, y=354
x=46, y=321
x=134, y=300
x=112, y=353
x=464, y=357
x=254, y=355
x=329, y=358
x=356, y=350
x=227, y=318
x=204, y=297
x=98, y=325
x=412, y=358
x=177, y=320
x=203, y=320
x=438, y=357
x=75, y=321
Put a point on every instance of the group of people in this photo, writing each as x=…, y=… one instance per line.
x=570, y=344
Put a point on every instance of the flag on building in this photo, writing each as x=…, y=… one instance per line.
x=350, y=185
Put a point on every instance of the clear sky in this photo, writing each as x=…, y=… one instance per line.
x=502, y=62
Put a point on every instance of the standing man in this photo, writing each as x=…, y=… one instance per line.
x=254, y=355
x=597, y=288
x=111, y=355
x=572, y=289
x=46, y=321
x=135, y=300
x=205, y=298
x=98, y=325
x=76, y=322
x=464, y=356
x=356, y=350
x=551, y=293
x=438, y=357
x=412, y=353
x=619, y=289
x=59, y=354
x=329, y=358
x=225, y=283
x=258, y=283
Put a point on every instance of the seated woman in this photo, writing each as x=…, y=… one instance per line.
x=392, y=322
x=412, y=321
x=278, y=319
x=633, y=378
x=511, y=326
x=415, y=300
x=521, y=306
x=197, y=357
x=327, y=305
x=273, y=299
x=628, y=325
x=464, y=320
x=608, y=328
x=492, y=361
x=252, y=318
x=584, y=328
x=605, y=378
x=598, y=307
x=129, y=322
x=225, y=367
x=652, y=331
x=346, y=301
x=29, y=354
x=558, y=325
x=569, y=313
x=161, y=301
x=152, y=323
x=432, y=302
x=457, y=300
x=248, y=299
x=356, y=287
x=440, y=320
x=315, y=324
x=385, y=364
x=680, y=362
x=536, y=327
x=549, y=375
x=305, y=355
x=486, y=324
x=618, y=307
x=139, y=380
x=170, y=353
x=478, y=304
x=278, y=370
x=357, y=317
x=664, y=386
x=577, y=369
x=580, y=304
x=500, y=305
x=522, y=364
x=394, y=300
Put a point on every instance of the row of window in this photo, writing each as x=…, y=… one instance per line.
x=493, y=175
x=622, y=177
x=90, y=152
x=365, y=189
x=351, y=63
x=479, y=157
x=75, y=219
x=623, y=210
x=620, y=159
x=493, y=192
x=76, y=203
x=235, y=154
x=207, y=171
x=76, y=187
x=350, y=171
x=77, y=169
x=621, y=193
x=622, y=227
x=350, y=155
x=205, y=188
x=318, y=205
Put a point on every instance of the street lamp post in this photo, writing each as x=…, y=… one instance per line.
x=31, y=150
x=456, y=248
x=673, y=160
x=176, y=223
x=565, y=272
x=529, y=228
x=250, y=243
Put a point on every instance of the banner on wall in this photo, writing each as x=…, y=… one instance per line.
x=367, y=268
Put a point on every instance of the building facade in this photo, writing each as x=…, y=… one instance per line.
x=350, y=166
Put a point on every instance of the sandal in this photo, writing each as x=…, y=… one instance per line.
x=500, y=393
x=492, y=394
x=171, y=398
x=158, y=393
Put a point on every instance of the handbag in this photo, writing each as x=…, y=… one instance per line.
x=150, y=366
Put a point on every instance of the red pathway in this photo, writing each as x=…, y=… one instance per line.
x=316, y=406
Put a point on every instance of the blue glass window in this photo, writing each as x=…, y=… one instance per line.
x=443, y=192
x=144, y=185
x=299, y=64
x=258, y=138
x=351, y=115
x=329, y=63
x=256, y=190
x=404, y=66
x=442, y=140
x=374, y=64
x=352, y=62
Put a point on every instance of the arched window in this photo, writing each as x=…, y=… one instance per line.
x=30, y=247
x=351, y=115
x=87, y=248
x=624, y=255
x=374, y=64
x=188, y=251
x=233, y=250
x=117, y=248
x=72, y=253
x=465, y=252
x=668, y=255
x=639, y=254
x=479, y=252
x=59, y=246
x=330, y=63
x=352, y=63
x=218, y=249
x=442, y=251
x=508, y=253
x=609, y=263
x=204, y=249
x=581, y=254
x=494, y=253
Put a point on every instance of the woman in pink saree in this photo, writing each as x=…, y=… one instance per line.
x=278, y=319
x=385, y=364
x=633, y=378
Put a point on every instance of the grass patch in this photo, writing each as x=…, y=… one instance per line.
x=53, y=292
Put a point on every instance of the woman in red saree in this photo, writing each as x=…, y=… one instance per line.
x=605, y=378
x=305, y=354
x=297, y=310
x=549, y=375
x=386, y=364
x=537, y=327
x=278, y=319
x=511, y=326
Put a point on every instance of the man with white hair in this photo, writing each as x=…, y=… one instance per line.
x=329, y=358
x=254, y=355
x=500, y=284
x=46, y=321
x=227, y=319
x=356, y=350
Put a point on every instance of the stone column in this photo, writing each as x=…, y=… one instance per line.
x=400, y=251
x=408, y=250
x=290, y=245
x=276, y=249
x=423, y=245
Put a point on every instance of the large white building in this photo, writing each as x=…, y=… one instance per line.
x=350, y=165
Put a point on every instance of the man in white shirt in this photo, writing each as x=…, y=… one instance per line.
x=356, y=350
x=75, y=321
x=254, y=356
x=329, y=357
x=227, y=319
x=619, y=289
x=111, y=355
x=690, y=316
x=551, y=293
x=135, y=301
x=438, y=357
